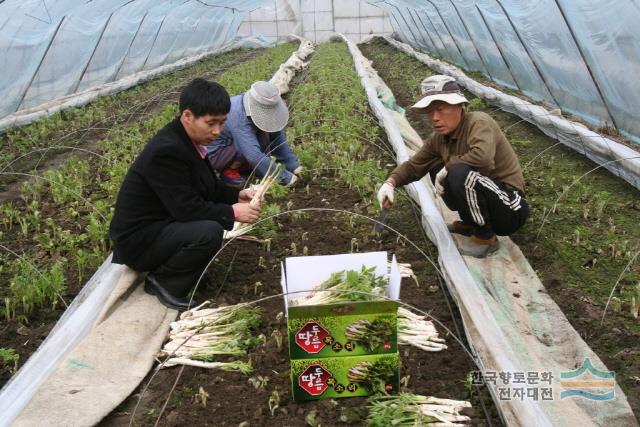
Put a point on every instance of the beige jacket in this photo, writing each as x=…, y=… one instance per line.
x=477, y=142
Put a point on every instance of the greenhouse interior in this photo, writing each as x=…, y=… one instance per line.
x=320, y=213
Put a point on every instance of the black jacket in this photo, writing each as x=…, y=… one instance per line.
x=167, y=182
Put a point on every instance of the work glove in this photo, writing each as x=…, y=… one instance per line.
x=385, y=195
x=439, y=181
x=292, y=182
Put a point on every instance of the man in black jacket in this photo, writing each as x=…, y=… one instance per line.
x=171, y=209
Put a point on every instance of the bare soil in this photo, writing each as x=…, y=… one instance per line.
x=25, y=335
x=577, y=276
x=232, y=399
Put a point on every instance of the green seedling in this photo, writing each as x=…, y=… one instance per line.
x=312, y=418
x=259, y=382
x=615, y=304
x=274, y=401
x=354, y=245
x=9, y=357
x=277, y=336
x=201, y=397
x=256, y=287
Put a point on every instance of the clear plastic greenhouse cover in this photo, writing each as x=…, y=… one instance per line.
x=582, y=56
x=54, y=49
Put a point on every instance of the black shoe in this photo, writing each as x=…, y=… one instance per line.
x=152, y=287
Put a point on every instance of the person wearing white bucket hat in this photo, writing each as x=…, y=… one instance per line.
x=254, y=132
x=472, y=166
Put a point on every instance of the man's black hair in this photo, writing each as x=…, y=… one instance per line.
x=203, y=97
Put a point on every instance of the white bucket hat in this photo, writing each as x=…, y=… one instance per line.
x=440, y=88
x=265, y=106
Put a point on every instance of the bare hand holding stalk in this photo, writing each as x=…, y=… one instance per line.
x=246, y=195
x=246, y=212
x=250, y=203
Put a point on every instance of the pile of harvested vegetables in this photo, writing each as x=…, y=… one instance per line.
x=412, y=410
x=203, y=334
x=342, y=286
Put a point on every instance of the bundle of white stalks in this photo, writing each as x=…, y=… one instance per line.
x=416, y=330
x=408, y=409
x=241, y=228
x=413, y=329
x=201, y=334
x=347, y=285
x=235, y=366
x=405, y=271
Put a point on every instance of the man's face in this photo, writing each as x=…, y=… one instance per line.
x=203, y=129
x=444, y=117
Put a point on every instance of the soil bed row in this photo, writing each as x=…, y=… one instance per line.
x=590, y=240
x=54, y=235
x=247, y=271
x=85, y=126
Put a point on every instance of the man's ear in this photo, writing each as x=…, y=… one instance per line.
x=187, y=116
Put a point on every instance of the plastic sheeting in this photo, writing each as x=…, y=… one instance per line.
x=617, y=158
x=50, y=49
x=580, y=55
x=54, y=379
x=316, y=20
x=510, y=321
x=76, y=322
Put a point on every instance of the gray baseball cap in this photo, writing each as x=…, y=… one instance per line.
x=265, y=106
x=440, y=88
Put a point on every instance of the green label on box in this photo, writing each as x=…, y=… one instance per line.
x=334, y=377
x=346, y=329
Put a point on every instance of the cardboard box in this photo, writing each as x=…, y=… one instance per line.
x=327, y=330
x=334, y=377
x=332, y=330
x=299, y=274
x=326, y=356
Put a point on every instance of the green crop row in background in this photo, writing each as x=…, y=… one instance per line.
x=58, y=228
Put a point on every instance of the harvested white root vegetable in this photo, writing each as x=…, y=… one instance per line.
x=205, y=333
x=240, y=228
x=416, y=410
x=416, y=330
x=405, y=271
x=238, y=366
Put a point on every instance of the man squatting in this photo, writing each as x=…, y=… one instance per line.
x=472, y=166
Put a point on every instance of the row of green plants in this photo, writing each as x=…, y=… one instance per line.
x=339, y=142
x=582, y=236
x=331, y=127
x=57, y=230
x=572, y=218
x=333, y=134
x=70, y=126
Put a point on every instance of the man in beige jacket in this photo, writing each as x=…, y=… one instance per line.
x=472, y=165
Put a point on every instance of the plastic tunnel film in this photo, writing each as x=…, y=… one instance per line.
x=316, y=20
x=581, y=56
x=51, y=50
x=486, y=44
